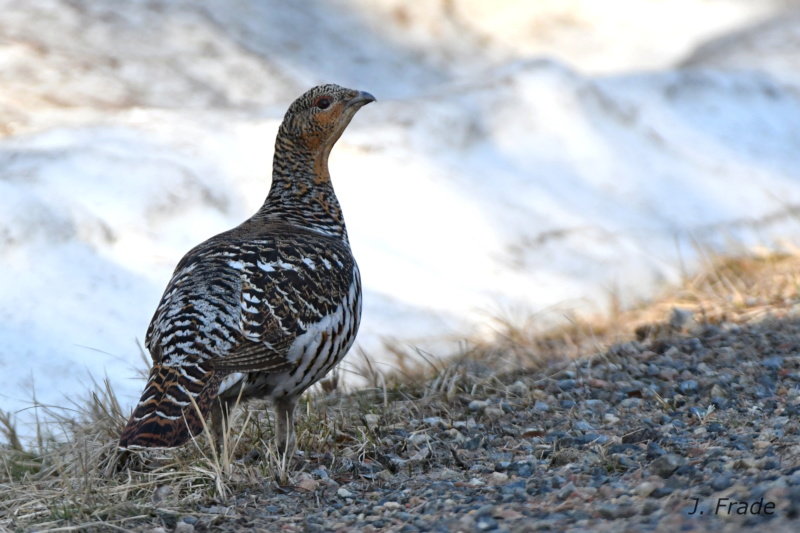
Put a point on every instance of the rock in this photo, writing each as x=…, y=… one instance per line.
x=595, y=405
x=654, y=450
x=650, y=506
x=718, y=392
x=566, y=491
x=645, y=489
x=591, y=438
x=183, y=527
x=672, y=352
x=486, y=510
x=418, y=438
x=162, y=493
x=666, y=465
x=391, y=505
x=721, y=482
x=772, y=363
x=446, y=474
x=769, y=463
x=472, y=444
x=421, y=455
x=660, y=492
x=215, y=509
x=688, y=387
x=344, y=493
x=434, y=421
x=518, y=388
x=486, y=523
x=497, y=478
x=494, y=413
x=608, y=418
x=744, y=463
x=566, y=384
x=608, y=511
x=308, y=484
x=320, y=473
x=477, y=405
x=541, y=406
x=456, y=435
x=680, y=319
x=520, y=469
x=372, y=420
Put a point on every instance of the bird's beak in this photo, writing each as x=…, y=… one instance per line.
x=359, y=100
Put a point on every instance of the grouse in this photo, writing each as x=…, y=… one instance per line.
x=263, y=310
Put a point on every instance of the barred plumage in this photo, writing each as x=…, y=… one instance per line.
x=265, y=309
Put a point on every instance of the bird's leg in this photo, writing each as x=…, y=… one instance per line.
x=284, y=424
x=219, y=422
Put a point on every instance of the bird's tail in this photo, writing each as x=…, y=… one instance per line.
x=167, y=416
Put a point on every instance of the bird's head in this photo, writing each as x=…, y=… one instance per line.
x=316, y=120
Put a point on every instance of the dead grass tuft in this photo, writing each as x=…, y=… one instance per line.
x=729, y=290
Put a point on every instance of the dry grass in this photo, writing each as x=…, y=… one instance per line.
x=79, y=479
x=728, y=290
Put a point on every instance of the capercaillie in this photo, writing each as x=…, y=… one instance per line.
x=263, y=310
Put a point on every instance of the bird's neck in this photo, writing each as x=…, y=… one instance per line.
x=301, y=192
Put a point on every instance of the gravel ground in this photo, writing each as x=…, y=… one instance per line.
x=687, y=432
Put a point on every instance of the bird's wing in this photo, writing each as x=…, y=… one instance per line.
x=289, y=286
x=241, y=304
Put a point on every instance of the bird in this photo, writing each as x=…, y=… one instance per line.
x=263, y=310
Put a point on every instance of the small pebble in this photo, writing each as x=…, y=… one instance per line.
x=486, y=523
x=666, y=465
x=566, y=384
x=597, y=405
x=772, y=363
x=497, y=478
x=608, y=511
x=744, y=463
x=344, y=493
x=518, y=388
x=372, y=419
x=680, y=318
x=477, y=405
x=566, y=491
x=433, y=421
x=721, y=482
x=494, y=413
x=472, y=444
x=645, y=489
x=718, y=391
x=520, y=469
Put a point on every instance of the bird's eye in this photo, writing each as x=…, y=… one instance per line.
x=323, y=102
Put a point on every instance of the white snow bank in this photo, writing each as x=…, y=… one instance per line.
x=769, y=47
